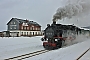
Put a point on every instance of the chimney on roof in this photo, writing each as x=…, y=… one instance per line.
x=27, y=20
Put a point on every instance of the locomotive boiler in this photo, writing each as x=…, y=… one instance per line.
x=55, y=35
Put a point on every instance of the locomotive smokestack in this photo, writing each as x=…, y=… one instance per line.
x=54, y=20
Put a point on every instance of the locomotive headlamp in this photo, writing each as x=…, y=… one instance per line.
x=42, y=39
x=47, y=39
x=55, y=39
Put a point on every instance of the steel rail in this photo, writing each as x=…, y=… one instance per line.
x=24, y=56
x=83, y=54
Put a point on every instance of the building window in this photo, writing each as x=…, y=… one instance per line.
x=39, y=33
x=36, y=28
x=30, y=33
x=14, y=27
x=11, y=22
x=14, y=22
x=30, y=28
x=11, y=28
x=36, y=33
x=25, y=28
x=33, y=33
x=21, y=33
x=22, y=27
x=27, y=33
x=24, y=33
x=33, y=28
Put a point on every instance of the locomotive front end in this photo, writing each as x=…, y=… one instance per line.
x=48, y=39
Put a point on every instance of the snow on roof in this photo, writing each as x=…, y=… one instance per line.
x=84, y=28
x=24, y=21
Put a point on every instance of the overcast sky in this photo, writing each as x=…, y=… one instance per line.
x=40, y=11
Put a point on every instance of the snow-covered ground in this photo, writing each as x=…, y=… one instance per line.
x=11, y=47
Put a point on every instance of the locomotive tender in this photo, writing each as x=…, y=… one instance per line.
x=55, y=35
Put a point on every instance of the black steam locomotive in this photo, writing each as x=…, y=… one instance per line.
x=55, y=35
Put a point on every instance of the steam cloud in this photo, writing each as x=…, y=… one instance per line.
x=72, y=9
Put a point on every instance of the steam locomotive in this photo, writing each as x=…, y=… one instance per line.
x=55, y=35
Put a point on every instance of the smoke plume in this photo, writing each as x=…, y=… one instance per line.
x=72, y=8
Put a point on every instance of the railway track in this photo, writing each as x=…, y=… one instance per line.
x=82, y=54
x=24, y=56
